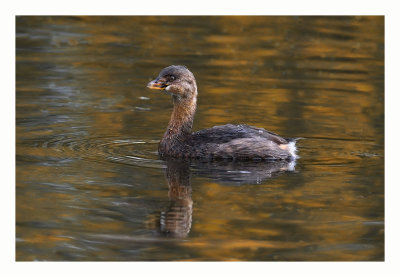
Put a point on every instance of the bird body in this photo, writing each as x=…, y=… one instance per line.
x=236, y=142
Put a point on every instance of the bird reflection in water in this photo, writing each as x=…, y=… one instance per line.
x=176, y=220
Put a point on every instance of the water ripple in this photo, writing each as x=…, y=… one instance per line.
x=101, y=149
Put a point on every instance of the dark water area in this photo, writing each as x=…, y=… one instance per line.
x=91, y=187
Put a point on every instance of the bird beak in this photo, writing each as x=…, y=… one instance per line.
x=155, y=84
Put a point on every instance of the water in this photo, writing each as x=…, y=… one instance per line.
x=89, y=183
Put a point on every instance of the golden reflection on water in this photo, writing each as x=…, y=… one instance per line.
x=90, y=187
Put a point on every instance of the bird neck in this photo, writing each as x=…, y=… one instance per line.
x=180, y=125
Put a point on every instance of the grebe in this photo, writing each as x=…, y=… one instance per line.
x=236, y=142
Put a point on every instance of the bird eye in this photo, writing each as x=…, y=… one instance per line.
x=171, y=78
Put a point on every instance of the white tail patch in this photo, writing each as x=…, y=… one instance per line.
x=290, y=147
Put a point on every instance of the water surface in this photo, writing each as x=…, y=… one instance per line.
x=89, y=183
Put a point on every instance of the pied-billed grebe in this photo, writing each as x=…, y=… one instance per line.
x=237, y=142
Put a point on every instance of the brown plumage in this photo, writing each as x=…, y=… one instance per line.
x=237, y=142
